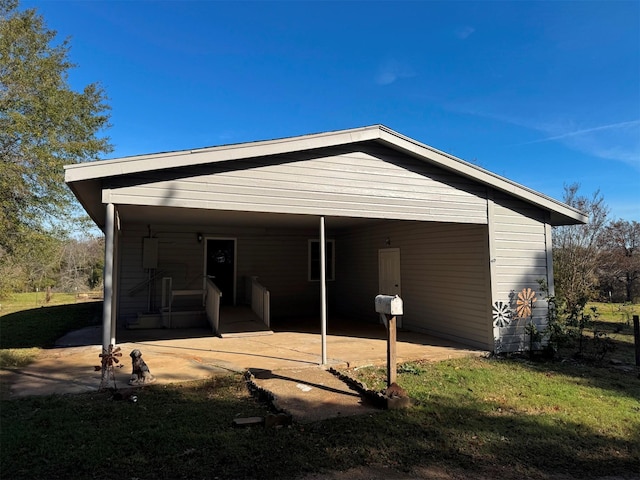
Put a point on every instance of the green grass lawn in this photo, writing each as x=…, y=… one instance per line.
x=615, y=313
x=18, y=302
x=532, y=416
x=500, y=418
x=24, y=329
x=609, y=335
x=507, y=418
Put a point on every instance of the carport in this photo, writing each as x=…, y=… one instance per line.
x=315, y=224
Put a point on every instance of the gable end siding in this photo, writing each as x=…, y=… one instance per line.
x=374, y=183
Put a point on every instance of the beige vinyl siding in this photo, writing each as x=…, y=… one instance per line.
x=443, y=267
x=80, y=177
x=180, y=257
x=132, y=275
x=444, y=271
x=376, y=182
x=278, y=260
x=519, y=246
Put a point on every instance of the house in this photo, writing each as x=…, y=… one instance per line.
x=395, y=216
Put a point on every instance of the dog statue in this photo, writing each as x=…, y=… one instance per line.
x=141, y=374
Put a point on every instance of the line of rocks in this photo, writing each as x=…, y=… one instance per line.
x=278, y=417
x=391, y=399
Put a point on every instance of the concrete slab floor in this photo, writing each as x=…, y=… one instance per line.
x=181, y=356
x=311, y=394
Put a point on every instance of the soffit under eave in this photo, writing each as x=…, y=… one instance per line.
x=89, y=194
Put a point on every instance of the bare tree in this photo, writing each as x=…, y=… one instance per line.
x=81, y=264
x=576, y=251
x=620, y=261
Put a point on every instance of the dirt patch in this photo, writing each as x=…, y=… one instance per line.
x=382, y=473
x=434, y=472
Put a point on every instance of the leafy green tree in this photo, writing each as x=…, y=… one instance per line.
x=33, y=264
x=44, y=124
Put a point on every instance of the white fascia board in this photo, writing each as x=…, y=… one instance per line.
x=144, y=163
x=459, y=166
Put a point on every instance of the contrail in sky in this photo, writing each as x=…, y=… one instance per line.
x=586, y=130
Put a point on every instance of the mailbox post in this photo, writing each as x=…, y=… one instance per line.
x=389, y=307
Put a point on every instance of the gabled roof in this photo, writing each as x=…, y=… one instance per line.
x=90, y=173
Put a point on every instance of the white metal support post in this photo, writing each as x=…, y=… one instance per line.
x=114, y=273
x=323, y=292
x=107, y=306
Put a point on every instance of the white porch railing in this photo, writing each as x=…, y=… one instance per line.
x=212, y=305
x=260, y=302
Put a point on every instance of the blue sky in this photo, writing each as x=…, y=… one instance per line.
x=545, y=93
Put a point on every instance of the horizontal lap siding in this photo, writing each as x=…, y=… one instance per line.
x=279, y=261
x=356, y=283
x=373, y=183
x=180, y=256
x=444, y=271
x=131, y=273
x=444, y=274
x=281, y=265
x=519, y=247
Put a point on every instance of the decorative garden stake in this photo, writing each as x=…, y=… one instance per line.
x=524, y=309
x=524, y=304
x=501, y=314
x=110, y=359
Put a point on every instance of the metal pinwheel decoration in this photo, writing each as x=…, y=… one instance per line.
x=110, y=359
x=524, y=303
x=501, y=314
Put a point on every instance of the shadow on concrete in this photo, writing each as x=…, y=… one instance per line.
x=308, y=394
x=261, y=374
x=218, y=350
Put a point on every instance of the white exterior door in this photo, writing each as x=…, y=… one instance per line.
x=389, y=274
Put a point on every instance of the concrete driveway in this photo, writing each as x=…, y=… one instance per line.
x=185, y=355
